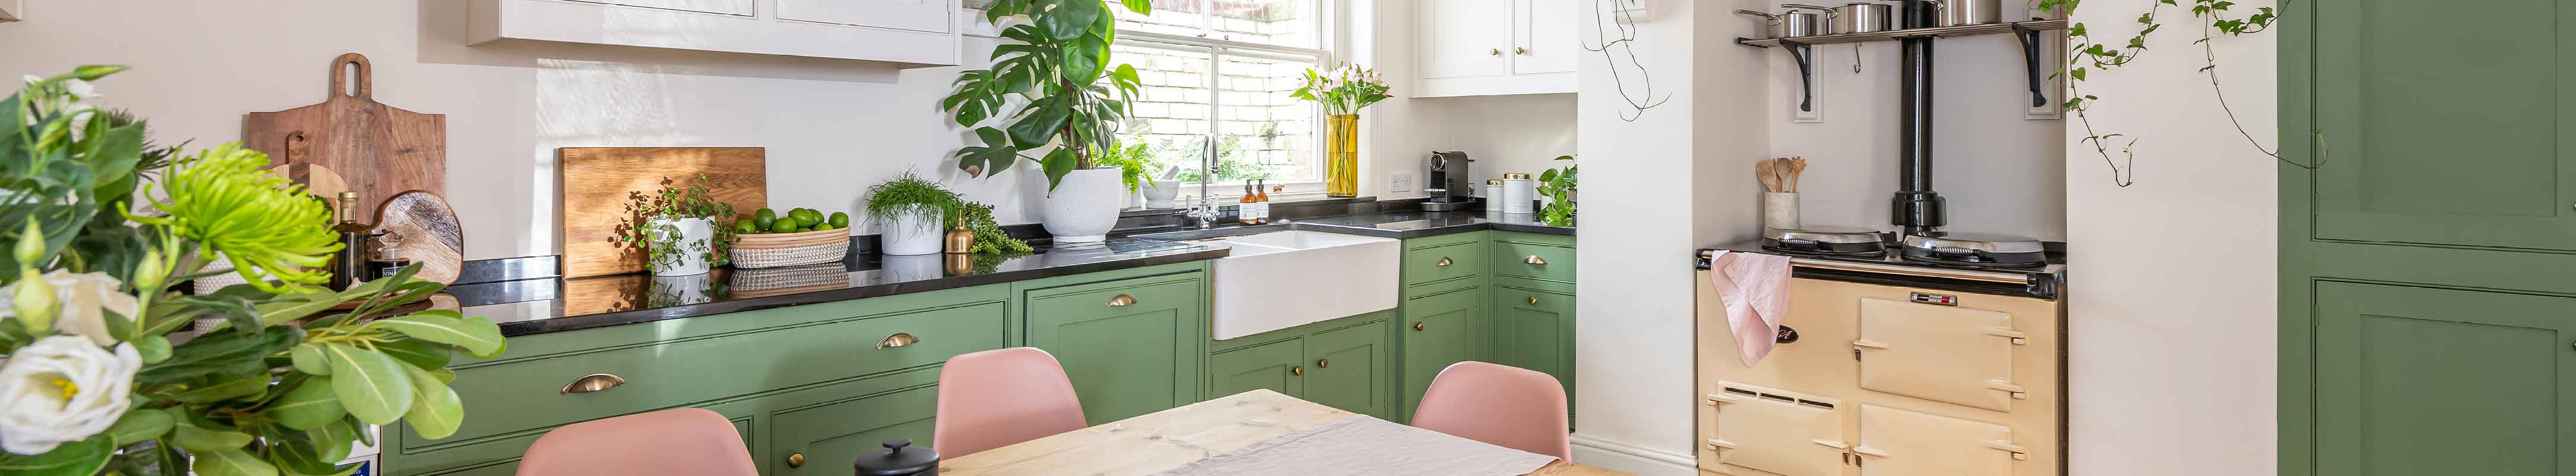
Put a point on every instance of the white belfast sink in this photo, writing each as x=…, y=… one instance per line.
x=1284, y=279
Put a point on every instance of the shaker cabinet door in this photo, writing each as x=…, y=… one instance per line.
x=1462, y=38
x=2433, y=381
x=1131, y=346
x=2440, y=128
x=1274, y=366
x=1534, y=330
x=1439, y=330
x=1343, y=369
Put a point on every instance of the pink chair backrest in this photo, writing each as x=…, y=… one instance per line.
x=995, y=398
x=675, y=441
x=1507, y=406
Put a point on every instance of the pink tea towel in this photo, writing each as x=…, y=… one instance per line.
x=1755, y=288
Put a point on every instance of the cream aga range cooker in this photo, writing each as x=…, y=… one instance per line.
x=1889, y=363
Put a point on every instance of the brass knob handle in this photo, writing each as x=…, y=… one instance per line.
x=1533, y=300
x=1496, y=52
x=1122, y=301
x=1297, y=370
x=899, y=339
x=592, y=383
x=1417, y=326
x=1534, y=259
x=1323, y=363
x=795, y=460
x=1444, y=261
x=1519, y=50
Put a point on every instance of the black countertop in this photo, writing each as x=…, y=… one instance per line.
x=542, y=305
x=537, y=306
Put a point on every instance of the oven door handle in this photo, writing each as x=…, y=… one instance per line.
x=2006, y=386
x=1869, y=344
x=1835, y=444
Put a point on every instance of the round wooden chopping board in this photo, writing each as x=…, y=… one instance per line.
x=427, y=230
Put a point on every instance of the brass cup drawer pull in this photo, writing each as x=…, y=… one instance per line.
x=899, y=339
x=1417, y=327
x=1323, y=363
x=1297, y=370
x=1534, y=259
x=796, y=460
x=1533, y=300
x=1519, y=50
x=592, y=383
x=1122, y=301
x=1444, y=261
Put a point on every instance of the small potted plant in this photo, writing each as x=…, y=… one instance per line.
x=1558, y=192
x=1131, y=161
x=677, y=229
x=909, y=212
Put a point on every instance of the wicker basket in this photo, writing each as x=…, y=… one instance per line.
x=751, y=283
x=779, y=250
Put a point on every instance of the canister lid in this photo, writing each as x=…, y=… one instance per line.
x=1493, y=182
x=1516, y=176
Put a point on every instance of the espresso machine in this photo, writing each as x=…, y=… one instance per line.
x=1449, y=183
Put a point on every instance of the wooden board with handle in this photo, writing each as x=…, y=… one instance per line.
x=428, y=232
x=594, y=185
x=381, y=150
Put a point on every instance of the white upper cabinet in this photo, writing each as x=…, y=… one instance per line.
x=10, y=10
x=910, y=33
x=1496, y=47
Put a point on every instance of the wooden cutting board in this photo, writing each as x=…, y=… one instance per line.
x=594, y=185
x=381, y=150
x=428, y=232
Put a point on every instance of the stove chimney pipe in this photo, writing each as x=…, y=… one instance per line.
x=1915, y=209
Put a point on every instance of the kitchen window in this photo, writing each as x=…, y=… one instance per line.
x=1216, y=75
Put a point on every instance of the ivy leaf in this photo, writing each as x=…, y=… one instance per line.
x=230, y=462
x=435, y=410
x=370, y=385
x=82, y=458
x=310, y=405
x=478, y=336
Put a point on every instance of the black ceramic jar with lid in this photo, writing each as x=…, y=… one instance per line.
x=900, y=458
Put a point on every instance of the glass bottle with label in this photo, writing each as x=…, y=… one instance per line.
x=349, y=265
x=1261, y=200
x=1243, y=207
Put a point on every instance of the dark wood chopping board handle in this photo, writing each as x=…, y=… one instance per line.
x=340, y=77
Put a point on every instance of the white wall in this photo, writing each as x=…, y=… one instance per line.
x=1998, y=171
x=831, y=127
x=1504, y=134
x=2170, y=356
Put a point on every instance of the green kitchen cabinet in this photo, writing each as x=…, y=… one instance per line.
x=1438, y=330
x=1131, y=346
x=825, y=439
x=1349, y=370
x=1276, y=366
x=1534, y=330
x=2465, y=382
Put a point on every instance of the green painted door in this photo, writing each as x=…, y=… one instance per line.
x=1346, y=369
x=1535, y=330
x=2433, y=381
x=1276, y=366
x=1131, y=346
x=2445, y=128
x=1439, y=329
x=828, y=438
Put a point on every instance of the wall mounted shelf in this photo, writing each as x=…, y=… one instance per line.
x=1803, y=49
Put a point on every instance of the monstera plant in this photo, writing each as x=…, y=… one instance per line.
x=102, y=373
x=1057, y=58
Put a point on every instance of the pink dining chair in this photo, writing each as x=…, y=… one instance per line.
x=675, y=441
x=1507, y=406
x=999, y=397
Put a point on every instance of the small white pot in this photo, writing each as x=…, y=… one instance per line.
x=697, y=239
x=1084, y=206
x=910, y=234
x=1162, y=193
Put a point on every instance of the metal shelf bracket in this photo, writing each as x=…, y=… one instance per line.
x=1806, y=56
x=2030, y=61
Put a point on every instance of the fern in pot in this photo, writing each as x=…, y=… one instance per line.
x=909, y=211
x=1055, y=57
x=676, y=228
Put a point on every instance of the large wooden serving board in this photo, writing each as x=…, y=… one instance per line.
x=381, y=150
x=595, y=184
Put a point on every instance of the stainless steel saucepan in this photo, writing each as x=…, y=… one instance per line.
x=1791, y=24
x=1861, y=17
x=1967, y=12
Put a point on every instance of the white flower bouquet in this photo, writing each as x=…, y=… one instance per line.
x=93, y=379
x=1345, y=91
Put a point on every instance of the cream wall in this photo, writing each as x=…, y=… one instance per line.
x=2168, y=355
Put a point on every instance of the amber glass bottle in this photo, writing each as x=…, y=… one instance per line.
x=349, y=264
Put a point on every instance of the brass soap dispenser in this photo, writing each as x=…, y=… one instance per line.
x=960, y=239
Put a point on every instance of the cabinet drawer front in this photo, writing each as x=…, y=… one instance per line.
x=832, y=436
x=523, y=395
x=1444, y=262
x=1528, y=260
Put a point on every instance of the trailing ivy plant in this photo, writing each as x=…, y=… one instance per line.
x=1131, y=161
x=1056, y=57
x=2217, y=17
x=656, y=229
x=1559, y=190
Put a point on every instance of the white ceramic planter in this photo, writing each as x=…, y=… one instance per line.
x=910, y=234
x=697, y=239
x=1162, y=193
x=896, y=269
x=680, y=290
x=1084, y=206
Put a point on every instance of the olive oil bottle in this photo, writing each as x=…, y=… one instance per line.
x=349, y=264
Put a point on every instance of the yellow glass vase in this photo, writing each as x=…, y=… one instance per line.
x=1342, y=155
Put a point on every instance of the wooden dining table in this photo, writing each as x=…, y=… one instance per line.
x=1167, y=439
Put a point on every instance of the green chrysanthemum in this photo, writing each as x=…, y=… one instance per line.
x=223, y=201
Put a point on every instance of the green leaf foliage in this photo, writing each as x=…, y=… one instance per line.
x=312, y=404
x=417, y=353
x=479, y=337
x=230, y=462
x=201, y=440
x=371, y=386
x=435, y=410
x=138, y=426
x=1057, y=53
x=307, y=358
x=82, y=458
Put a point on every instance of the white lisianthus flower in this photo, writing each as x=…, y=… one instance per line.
x=85, y=298
x=79, y=89
x=62, y=389
x=33, y=79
